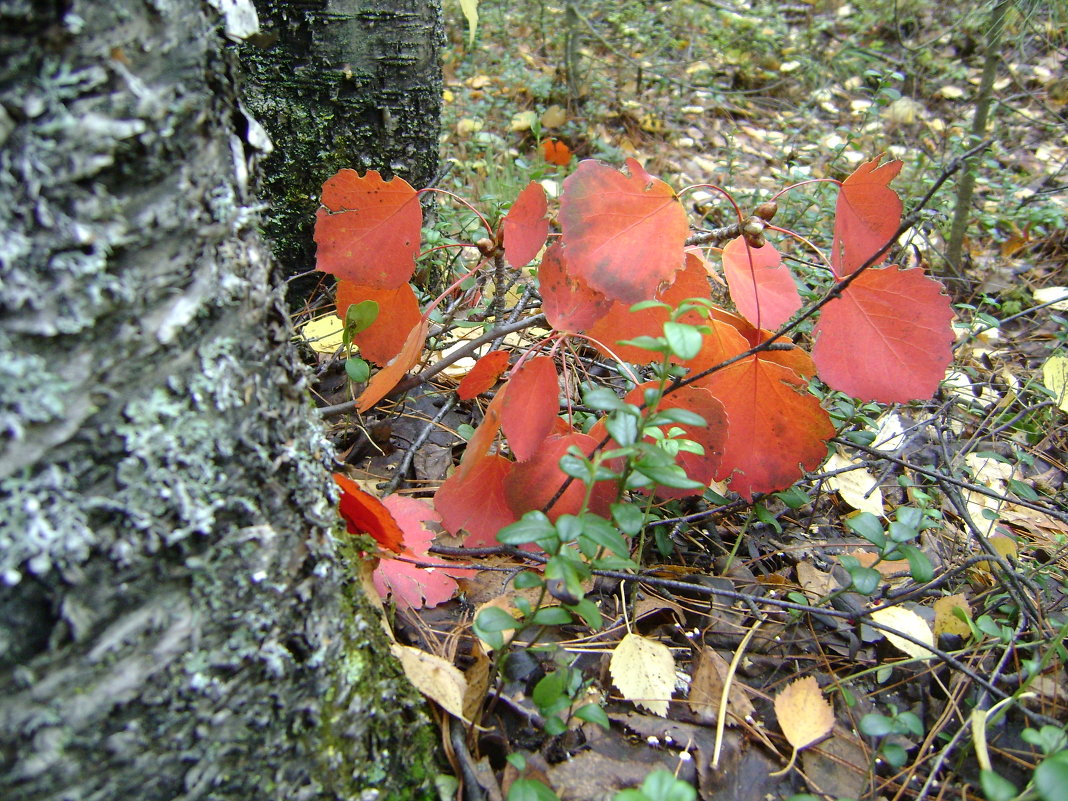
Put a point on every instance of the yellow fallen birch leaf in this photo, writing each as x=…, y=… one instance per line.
x=1055, y=379
x=644, y=671
x=435, y=678
x=946, y=621
x=1057, y=294
x=804, y=715
x=857, y=487
x=323, y=334
x=907, y=622
x=1004, y=546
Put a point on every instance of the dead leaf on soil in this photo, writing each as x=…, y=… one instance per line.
x=804, y=715
x=907, y=622
x=946, y=622
x=706, y=690
x=434, y=677
x=644, y=672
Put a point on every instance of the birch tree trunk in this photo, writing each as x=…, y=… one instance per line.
x=341, y=83
x=175, y=618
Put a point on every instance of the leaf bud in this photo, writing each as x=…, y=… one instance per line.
x=753, y=231
x=766, y=211
x=486, y=246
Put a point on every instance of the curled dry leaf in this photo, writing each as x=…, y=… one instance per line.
x=805, y=716
x=438, y=680
x=644, y=671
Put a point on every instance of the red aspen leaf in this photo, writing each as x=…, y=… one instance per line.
x=774, y=425
x=475, y=502
x=556, y=152
x=398, y=314
x=866, y=215
x=568, y=302
x=363, y=513
x=383, y=382
x=368, y=230
x=620, y=323
x=526, y=226
x=481, y=441
x=887, y=338
x=483, y=375
x=532, y=484
x=531, y=405
x=411, y=585
x=761, y=286
x=624, y=233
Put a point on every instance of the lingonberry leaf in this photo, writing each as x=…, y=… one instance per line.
x=368, y=230
x=363, y=513
x=383, y=382
x=711, y=437
x=474, y=501
x=887, y=338
x=761, y=286
x=411, y=585
x=866, y=215
x=531, y=485
x=568, y=302
x=531, y=405
x=775, y=427
x=526, y=226
x=483, y=375
x=398, y=314
x=624, y=233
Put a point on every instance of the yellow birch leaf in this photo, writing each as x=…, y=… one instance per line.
x=435, y=678
x=1058, y=294
x=324, y=334
x=907, y=622
x=805, y=716
x=948, y=623
x=644, y=671
x=858, y=487
x=1005, y=546
x=1055, y=378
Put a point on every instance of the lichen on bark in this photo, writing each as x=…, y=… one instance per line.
x=173, y=612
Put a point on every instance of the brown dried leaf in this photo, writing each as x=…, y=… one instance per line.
x=706, y=690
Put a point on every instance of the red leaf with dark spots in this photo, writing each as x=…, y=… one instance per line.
x=568, y=302
x=368, y=230
x=866, y=216
x=624, y=233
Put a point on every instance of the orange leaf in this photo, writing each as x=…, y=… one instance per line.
x=479, y=444
x=383, y=382
x=411, y=585
x=363, y=513
x=556, y=152
x=804, y=714
x=475, y=502
x=774, y=425
x=531, y=484
x=531, y=405
x=620, y=323
x=887, y=338
x=483, y=375
x=866, y=216
x=367, y=229
x=398, y=314
x=624, y=233
x=526, y=226
x=761, y=285
x=568, y=301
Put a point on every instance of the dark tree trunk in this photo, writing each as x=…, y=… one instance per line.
x=175, y=619
x=341, y=83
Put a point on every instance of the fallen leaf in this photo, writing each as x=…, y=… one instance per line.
x=804, y=715
x=946, y=622
x=1055, y=379
x=857, y=487
x=1057, y=294
x=907, y=622
x=435, y=678
x=644, y=672
x=408, y=584
x=706, y=690
x=323, y=334
x=556, y=152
